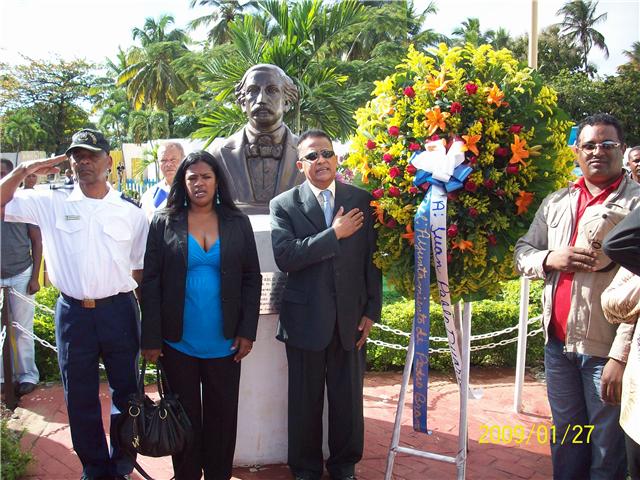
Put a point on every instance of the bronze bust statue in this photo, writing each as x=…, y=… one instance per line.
x=260, y=159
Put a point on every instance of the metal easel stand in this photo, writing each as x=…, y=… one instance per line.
x=522, y=344
x=460, y=460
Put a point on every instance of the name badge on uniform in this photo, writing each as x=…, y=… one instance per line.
x=72, y=217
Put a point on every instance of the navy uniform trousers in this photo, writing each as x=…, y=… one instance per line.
x=84, y=335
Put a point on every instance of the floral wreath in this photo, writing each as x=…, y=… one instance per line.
x=515, y=142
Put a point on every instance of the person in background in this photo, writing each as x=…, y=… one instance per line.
x=21, y=259
x=94, y=240
x=30, y=181
x=622, y=245
x=633, y=162
x=323, y=237
x=584, y=354
x=170, y=155
x=200, y=306
x=68, y=175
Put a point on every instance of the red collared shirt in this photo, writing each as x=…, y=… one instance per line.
x=562, y=296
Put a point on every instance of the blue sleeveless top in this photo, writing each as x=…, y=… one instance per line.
x=202, y=335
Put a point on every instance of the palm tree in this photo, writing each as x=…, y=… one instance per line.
x=21, y=130
x=296, y=40
x=225, y=12
x=499, y=38
x=153, y=77
x=634, y=54
x=469, y=32
x=578, y=26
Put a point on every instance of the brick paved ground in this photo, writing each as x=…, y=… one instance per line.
x=43, y=415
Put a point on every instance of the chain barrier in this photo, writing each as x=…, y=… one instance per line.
x=380, y=343
x=3, y=335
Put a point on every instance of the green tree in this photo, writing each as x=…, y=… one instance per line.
x=296, y=39
x=21, y=131
x=154, y=77
x=633, y=55
x=469, y=32
x=578, y=26
x=53, y=92
x=224, y=12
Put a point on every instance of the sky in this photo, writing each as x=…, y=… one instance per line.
x=93, y=29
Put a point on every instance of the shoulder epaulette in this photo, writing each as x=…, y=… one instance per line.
x=132, y=201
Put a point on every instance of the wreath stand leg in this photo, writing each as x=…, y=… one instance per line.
x=462, y=321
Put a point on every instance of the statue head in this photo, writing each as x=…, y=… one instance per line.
x=265, y=93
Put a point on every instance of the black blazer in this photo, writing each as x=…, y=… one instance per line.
x=165, y=275
x=330, y=281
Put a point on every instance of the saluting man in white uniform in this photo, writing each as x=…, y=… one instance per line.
x=94, y=241
x=170, y=155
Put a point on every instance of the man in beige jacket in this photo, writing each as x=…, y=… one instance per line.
x=584, y=354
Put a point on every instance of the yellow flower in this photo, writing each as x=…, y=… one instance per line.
x=436, y=119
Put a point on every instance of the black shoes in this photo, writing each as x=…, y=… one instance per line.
x=25, y=388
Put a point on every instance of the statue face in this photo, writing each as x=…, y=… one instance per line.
x=264, y=100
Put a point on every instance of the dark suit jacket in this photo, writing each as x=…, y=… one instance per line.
x=330, y=281
x=165, y=275
x=231, y=151
x=622, y=244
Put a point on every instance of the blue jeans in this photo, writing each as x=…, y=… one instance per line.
x=24, y=354
x=573, y=388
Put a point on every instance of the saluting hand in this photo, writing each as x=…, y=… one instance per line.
x=346, y=225
x=43, y=166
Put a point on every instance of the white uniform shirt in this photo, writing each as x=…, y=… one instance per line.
x=90, y=245
x=148, y=200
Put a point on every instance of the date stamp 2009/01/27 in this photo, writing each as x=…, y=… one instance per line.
x=539, y=433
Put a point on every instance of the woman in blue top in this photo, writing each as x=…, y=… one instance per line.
x=200, y=305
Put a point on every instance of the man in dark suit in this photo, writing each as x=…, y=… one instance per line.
x=323, y=237
x=260, y=159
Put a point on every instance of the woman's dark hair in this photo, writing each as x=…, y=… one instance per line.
x=178, y=200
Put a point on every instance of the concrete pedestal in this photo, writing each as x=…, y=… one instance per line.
x=262, y=416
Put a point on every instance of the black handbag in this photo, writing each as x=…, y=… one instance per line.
x=154, y=428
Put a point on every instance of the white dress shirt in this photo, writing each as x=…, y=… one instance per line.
x=148, y=198
x=317, y=192
x=90, y=245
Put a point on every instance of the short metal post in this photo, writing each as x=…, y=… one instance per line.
x=10, y=399
x=522, y=343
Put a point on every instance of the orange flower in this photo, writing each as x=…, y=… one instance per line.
x=437, y=84
x=463, y=245
x=409, y=235
x=365, y=172
x=379, y=211
x=523, y=201
x=436, y=119
x=470, y=143
x=495, y=96
x=519, y=150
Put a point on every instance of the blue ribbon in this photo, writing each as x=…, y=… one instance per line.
x=422, y=284
x=159, y=196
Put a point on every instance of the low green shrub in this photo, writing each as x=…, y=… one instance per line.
x=487, y=316
x=14, y=460
x=44, y=328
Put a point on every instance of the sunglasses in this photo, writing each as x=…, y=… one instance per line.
x=313, y=156
x=607, y=145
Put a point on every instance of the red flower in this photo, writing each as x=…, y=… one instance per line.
x=452, y=196
x=512, y=169
x=371, y=144
x=488, y=183
x=387, y=157
x=470, y=186
x=449, y=258
x=413, y=190
x=414, y=147
x=452, y=231
x=473, y=212
x=456, y=107
x=500, y=192
x=471, y=88
x=435, y=137
x=378, y=193
x=394, y=172
x=394, y=191
x=411, y=169
x=491, y=238
x=501, y=151
x=409, y=92
x=473, y=160
x=392, y=223
x=394, y=131
x=515, y=128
